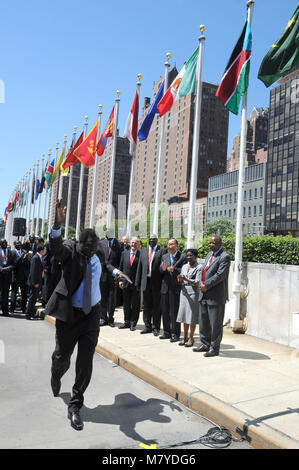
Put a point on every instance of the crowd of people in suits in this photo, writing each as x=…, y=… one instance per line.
x=170, y=287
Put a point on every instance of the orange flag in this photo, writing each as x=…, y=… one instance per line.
x=86, y=151
x=70, y=159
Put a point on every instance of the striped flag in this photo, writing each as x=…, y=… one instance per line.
x=183, y=84
x=108, y=132
x=49, y=173
x=148, y=120
x=234, y=83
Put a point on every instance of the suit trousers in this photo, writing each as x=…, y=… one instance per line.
x=211, y=324
x=33, y=296
x=108, y=300
x=131, y=305
x=14, y=290
x=151, y=306
x=170, y=306
x=5, y=281
x=84, y=332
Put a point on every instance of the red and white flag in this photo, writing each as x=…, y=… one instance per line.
x=132, y=124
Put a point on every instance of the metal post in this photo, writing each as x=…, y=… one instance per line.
x=82, y=170
x=95, y=173
x=112, y=167
x=195, y=147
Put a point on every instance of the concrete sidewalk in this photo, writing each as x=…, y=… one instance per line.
x=251, y=386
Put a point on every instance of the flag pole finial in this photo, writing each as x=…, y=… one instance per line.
x=75, y=128
x=100, y=107
x=118, y=93
x=202, y=28
x=250, y=3
x=168, y=55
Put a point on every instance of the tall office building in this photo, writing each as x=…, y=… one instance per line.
x=282, y=203
x=177, y=150
x=256, y=141
x=120, y=187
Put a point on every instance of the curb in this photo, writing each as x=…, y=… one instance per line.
x=261, y=436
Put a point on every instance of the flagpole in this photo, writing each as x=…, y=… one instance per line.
x=52, y=197
x=159, y=168
x=27, y=199
x=61, y=175
x=34, y=197
x=69, y=194
x=95, y=173
x=195, y=147
x=111, y=184
x=45, y=197
x=82, y=170
x=30, y=202
x=39, y=196
x=132, y=173
x=237, y=323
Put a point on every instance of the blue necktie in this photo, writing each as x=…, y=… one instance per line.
x=87, y=288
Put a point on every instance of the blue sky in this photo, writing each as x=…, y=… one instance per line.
x=60, y=59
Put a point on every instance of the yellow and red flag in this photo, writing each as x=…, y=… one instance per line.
x=108, y=132
x=86, y=151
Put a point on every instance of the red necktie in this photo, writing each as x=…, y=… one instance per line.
x=132, y=258
x=204, y=271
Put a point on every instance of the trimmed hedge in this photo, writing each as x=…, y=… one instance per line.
x=264, y=249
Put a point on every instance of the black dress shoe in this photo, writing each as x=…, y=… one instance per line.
x=111, y=323
x=145, y=331
x=125, y=325
x=211, y=353
x=201, y=348
x=132, y=327
x=156, y=332
x=174, y=338
x=76, y=421
x=55, y=384
x=103, y=322
x=164, y=336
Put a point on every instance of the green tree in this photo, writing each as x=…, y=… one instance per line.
x=222, y=227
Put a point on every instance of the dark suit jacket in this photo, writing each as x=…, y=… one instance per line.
x=21, y=267
x=169, y=279
x=142, y=270
x=73, y=265
x=216, y=278
x=9, y=264
x=109, y=259
x=36, y=271
x=125, y=267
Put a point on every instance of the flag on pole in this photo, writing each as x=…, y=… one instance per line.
x=86, y=151
x=43, y=181
x=148, y=120
x=132, y=123
x=37, y=189
x=57, y=167
x=284, y=53
x=108, y=132
x=70, y=158
x=234, y=82
x=49, y=173
x=183, y=84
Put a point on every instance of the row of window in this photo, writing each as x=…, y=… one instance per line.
x=229, y=198
x=253, y=211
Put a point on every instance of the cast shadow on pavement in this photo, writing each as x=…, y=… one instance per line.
x=126, y=411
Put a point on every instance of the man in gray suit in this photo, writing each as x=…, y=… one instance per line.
x=212, y=298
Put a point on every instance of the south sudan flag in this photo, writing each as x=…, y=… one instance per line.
x=234, y=83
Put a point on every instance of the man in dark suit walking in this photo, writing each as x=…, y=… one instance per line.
x=212, y=298
x=19, y=276
x=131, y=296
x=111, y=249
x=6, y=267
x=148, y=280
x=35, y=279
x=171, y=265
x=75, y=303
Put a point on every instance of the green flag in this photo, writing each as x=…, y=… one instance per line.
x=283, y=55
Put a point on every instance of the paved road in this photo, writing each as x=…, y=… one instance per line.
x=120, y=411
